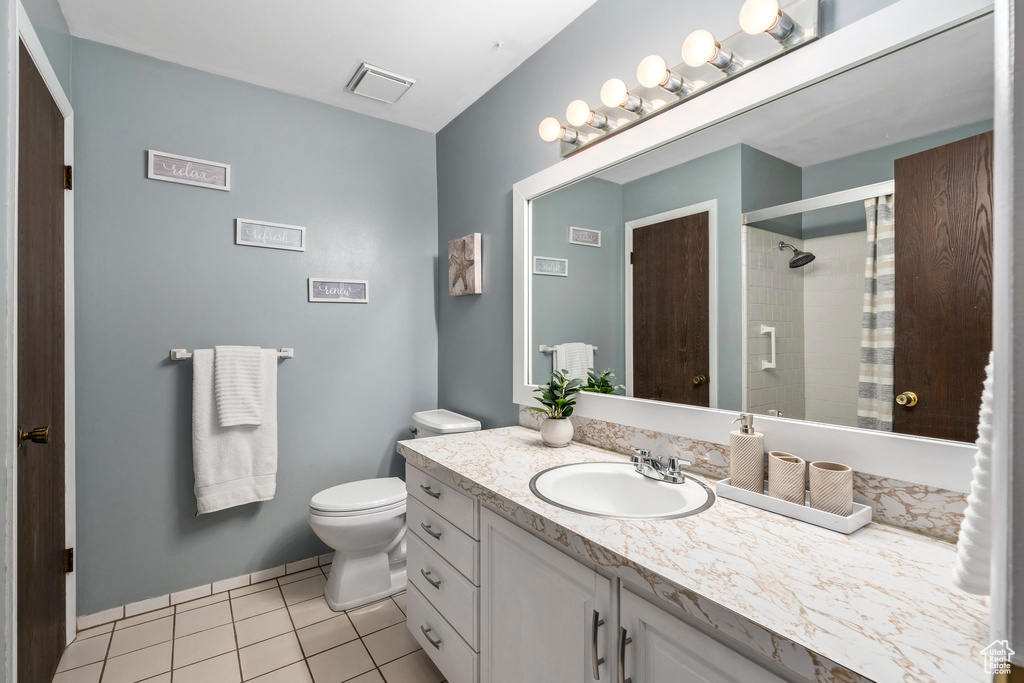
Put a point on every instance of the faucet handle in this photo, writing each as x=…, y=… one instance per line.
x=674, y=461
x=641, y=454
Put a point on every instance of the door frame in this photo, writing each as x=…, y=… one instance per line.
x=711, y=207
x=26, y=33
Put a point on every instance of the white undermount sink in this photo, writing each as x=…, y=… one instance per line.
x=616, y=489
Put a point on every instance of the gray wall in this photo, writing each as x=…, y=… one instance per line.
x=494, y=144
x=157, y=268
x=52, y=30
x=587, y=306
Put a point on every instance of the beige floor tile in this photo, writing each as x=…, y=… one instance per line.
x=293, y=673
x=162, y=678
x=307, y=589
x=311, y=611
x=203, y=645
x=254, y=588
x=202, y=619
x=262, y=627
x=83, y=674
x=326, y=634
x=95, y=631
x=82, y=652
x=138, y=665
x=400, y=601
x=221, y=669
x=341, y=663
x=376, y=616
x=133, y=638
x=390, y=643
x=269, y=655
x=414, y=668
x=368, y=677
x=143, y=618
x=256, y=603
x=299, y=576
x=201, y=602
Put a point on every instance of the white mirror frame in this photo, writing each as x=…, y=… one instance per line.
x=942, y=464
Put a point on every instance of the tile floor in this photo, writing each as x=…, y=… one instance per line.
x=277, y=631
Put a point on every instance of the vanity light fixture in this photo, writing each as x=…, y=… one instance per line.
x=614, y=93
x=700, y=48
x=765, y=16
x=653, y=72
x=579, y=113
x=551, y=129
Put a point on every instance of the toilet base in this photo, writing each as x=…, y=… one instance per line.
x=357, y=581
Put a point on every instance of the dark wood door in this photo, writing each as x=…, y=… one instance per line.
x=40, y=476
x=670, y=311
x=943, y=212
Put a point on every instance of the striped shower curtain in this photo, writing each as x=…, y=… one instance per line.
x=875, y=392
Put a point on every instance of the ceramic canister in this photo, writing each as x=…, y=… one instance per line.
x=831, y=487
x=787, y=477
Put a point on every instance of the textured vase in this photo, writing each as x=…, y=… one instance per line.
x=556, y=432
x=746, y=461
x=787, y=477
x=831, y=488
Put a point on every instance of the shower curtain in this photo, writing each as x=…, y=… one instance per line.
x=875, y=391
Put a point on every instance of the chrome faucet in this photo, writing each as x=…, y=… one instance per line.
x=652, y=468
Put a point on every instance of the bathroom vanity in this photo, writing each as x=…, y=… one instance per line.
x=505, y=587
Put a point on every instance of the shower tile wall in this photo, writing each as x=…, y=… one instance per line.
x=775, y=297
x=833, y=301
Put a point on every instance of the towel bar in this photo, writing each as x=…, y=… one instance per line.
x=548, y=349
x=185, y=354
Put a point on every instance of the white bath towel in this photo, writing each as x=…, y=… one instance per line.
x=974, y=546
x=238, y=382
x=233, y=465
x=575, y=358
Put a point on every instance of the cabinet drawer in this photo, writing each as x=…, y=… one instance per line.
x=455, y=506
x=448, y=591
x=461, y=551
x=455, y=659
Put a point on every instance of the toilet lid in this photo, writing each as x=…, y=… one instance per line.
x=368, y=494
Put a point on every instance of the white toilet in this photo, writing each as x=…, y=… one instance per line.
x=364, y=521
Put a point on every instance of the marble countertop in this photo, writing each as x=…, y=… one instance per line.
x=876, y=605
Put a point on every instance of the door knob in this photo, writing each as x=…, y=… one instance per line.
x=37, y=435
x=698, y=380
x=908, y=399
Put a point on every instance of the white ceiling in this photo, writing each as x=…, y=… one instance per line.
x=311, y=48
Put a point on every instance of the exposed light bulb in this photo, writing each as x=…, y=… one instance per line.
x=653, y=73
x=700, y=47
x=764, y=16
x=577, y=113
x=550, y=129
x=614, y=92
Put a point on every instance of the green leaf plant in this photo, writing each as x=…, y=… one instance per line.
x=557, y=396
x=602, y=383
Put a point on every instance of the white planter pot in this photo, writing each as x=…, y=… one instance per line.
x=556, y=433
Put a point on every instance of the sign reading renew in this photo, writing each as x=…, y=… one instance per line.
x=329, y=290
x=175, y=168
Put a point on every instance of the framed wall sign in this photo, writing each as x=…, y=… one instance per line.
x=323, y=290
x=464, y=276
x=271, y=235
x=175, y=168
x=584, y=236
x=548, y=265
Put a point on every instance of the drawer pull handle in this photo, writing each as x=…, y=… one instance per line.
x=426, y=575
x=430, y=492
x=426, y=634
x=624, y=640
x=435, y=534
x=598, y=623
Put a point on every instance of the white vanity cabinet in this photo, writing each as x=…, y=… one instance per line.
x=539, y=611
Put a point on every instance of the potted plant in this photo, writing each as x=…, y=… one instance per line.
x=602, y=383
x=557, y=397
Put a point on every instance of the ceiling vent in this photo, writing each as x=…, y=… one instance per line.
x=378, y=84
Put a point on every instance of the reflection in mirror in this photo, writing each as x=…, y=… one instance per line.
x=824, y=257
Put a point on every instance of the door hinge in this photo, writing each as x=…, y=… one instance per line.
x=67, y=177
x=630, y=258
x=69, y=560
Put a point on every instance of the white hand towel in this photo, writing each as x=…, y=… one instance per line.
x=233, y=465
x=238, y=382
x=574, y=358
x=974, y=546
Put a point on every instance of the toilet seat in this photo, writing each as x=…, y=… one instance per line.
x=359, y=498
x=400, y=505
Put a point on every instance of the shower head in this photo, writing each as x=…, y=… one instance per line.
x=800, y=258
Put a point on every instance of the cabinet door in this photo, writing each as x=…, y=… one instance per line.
x=664, y=649
x=537, y=611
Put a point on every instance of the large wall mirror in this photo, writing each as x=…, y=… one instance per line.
x=825, y=256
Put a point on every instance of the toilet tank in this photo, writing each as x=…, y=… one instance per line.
x=437, y=422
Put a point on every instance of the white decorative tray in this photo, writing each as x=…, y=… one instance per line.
x=805, y=513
